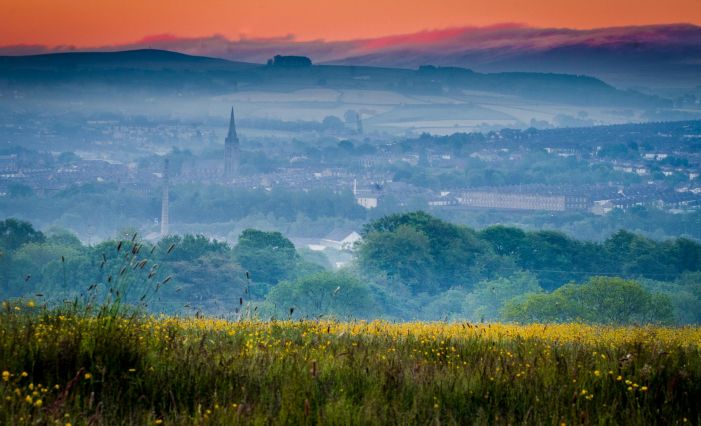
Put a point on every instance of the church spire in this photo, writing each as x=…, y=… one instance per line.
x=232, y=151
x=232, y=126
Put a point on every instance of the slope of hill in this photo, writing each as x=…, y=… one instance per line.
x=163, y=71
x=655, y=55
x=135, y=59
x=651, y=56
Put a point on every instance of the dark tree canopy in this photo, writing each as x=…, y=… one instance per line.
x=190, y=247
x=407, y=267
x=268, y=256
x=14, y=233
x=428, y=254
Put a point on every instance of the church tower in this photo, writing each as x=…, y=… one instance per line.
x=232, y=150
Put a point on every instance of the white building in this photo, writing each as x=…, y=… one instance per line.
x=341, y=239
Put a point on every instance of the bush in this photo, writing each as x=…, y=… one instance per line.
x=338, y=295
x=601, y=300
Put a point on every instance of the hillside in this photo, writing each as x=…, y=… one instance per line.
x=163, y=71
x=128, y=59
x=652, y=55
x=662, y=56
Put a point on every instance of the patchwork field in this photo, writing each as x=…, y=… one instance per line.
x=395, y=112
x=67, y=367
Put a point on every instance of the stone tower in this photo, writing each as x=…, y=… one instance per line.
x=232, y=150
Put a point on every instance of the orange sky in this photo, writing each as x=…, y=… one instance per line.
x=104, y=22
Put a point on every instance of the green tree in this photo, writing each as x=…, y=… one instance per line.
x=403, y=254
x=189, y=247
x=213, y=283
x=14, y=233
x=505, y=240
x=40, y=254
x=686, y=254
x=269, y=257
x=424, y=252
x=604, y=300
x=339, y=295
x=555, y=257
x=486, y=300
x=63, y=237
x=451, y=305
x=684, y=293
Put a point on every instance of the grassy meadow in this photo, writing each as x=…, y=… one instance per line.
x=69, y=366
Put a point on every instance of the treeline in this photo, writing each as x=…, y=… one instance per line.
x=407, y=267
x=427, y=254
x=204, y=274
x=427, y=268
x=657, y=136
x=530, y=167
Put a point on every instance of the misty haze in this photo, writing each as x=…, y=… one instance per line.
x=469, y=225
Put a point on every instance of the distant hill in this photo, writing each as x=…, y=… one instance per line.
x=165, y=72
x=623, y=64
x=652, y=55
x=153, y=59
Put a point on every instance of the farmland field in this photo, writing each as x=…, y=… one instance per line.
x=71, y=367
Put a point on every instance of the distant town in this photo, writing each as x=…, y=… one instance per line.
x=657, y=165
x=165, y=143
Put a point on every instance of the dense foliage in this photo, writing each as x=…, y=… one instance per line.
x=599, y=300
x=340, y=295
x=419, y=248
x=407, y=267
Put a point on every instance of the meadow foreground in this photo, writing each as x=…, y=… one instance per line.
x=66, y=367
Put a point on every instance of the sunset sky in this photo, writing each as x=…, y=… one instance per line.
x=105, y=22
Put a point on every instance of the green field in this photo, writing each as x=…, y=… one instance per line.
x=76, y=367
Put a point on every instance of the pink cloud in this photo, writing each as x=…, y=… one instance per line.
x=502, y=39
x=159, y=38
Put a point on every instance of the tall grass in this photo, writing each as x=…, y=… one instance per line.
x=137, y=369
